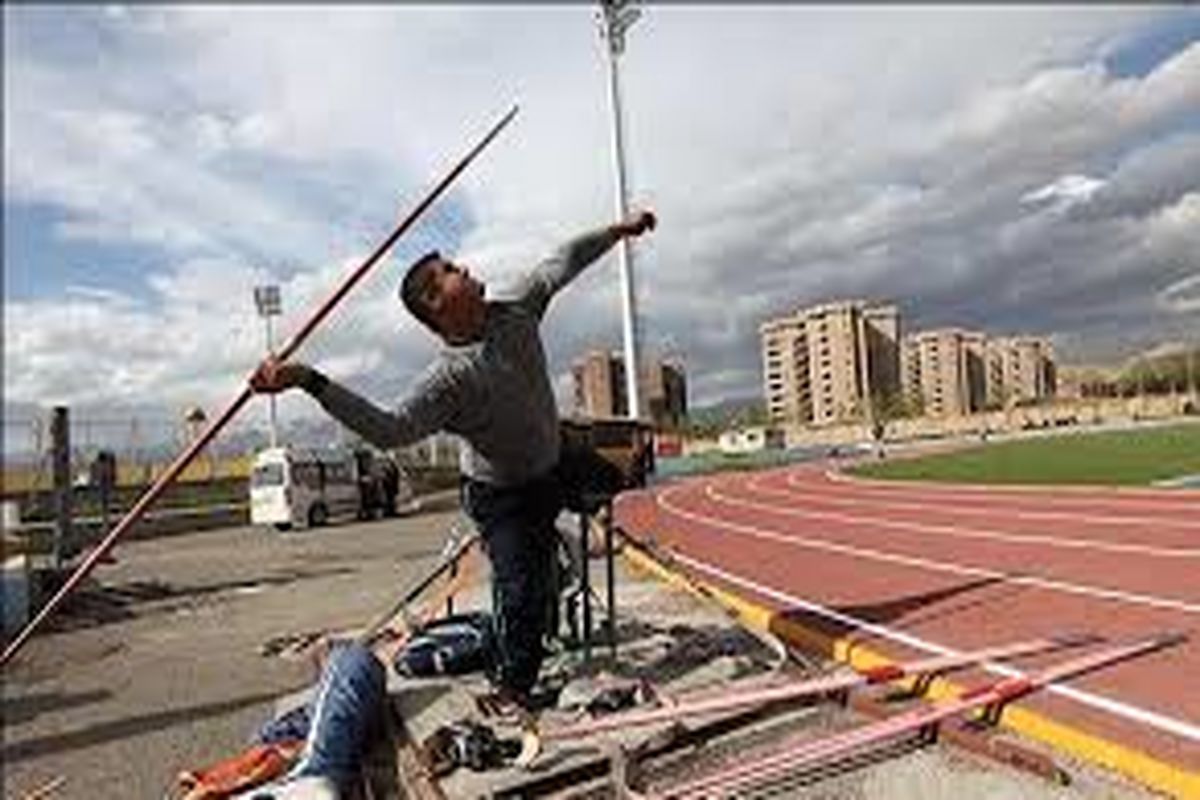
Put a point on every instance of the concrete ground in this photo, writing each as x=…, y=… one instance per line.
x=682, y=644
x=156, y=667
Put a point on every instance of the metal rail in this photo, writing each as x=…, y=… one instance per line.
x=732, y=699
x=990, y=695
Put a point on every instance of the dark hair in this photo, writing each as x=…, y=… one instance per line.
x=410, y=291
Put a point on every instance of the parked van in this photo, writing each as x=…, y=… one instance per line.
x=291, y=487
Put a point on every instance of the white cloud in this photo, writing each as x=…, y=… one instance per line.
x=1064, y=192
x=1183, y=296
x=793, y=153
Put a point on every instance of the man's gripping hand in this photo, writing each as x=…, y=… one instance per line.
x=273, y=376
x=636, y=223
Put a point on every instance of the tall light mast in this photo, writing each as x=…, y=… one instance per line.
x=616, y=17
x=266, y=300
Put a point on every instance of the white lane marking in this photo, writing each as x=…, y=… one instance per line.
x=1118, y=708
x=960, y=507
x=929, y=564
x=956, y=530
x=1061, y=495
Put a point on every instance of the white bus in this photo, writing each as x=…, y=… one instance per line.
x=290, y=487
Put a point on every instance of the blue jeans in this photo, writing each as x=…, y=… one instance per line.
x=517, y=525
x=340, y=721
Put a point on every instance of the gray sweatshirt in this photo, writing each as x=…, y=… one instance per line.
x=494, y=393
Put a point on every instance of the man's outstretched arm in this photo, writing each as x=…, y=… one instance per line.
x=548, y=277
x=425, y=411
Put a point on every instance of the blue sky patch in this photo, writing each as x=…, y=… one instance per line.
x=39, y=264
x=1139, y=55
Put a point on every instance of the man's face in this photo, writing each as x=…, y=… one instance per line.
x=453, y=297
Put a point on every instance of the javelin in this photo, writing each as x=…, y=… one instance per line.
x=209, y=433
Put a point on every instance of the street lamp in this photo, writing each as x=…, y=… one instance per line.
x=616, y=17
x=266, y=300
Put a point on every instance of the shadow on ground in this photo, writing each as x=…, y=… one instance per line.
x=662, y=654
x=22, y=709
x=912, y=608
x=102, y=605
x=125, y=728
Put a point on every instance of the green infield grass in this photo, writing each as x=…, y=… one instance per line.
x=1113, y=458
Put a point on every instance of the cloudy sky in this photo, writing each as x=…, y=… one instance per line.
x=1027, y=169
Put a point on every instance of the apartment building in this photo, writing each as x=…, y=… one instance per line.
x=822, y=362
x=598, y=381
x=599, y=392
x=1020, y=369
x=944, y=371
x=786, y=384
x=664, y=385
x=951, y=371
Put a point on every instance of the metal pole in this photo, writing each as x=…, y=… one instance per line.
x=611, y=579
x=624, y=252
x=60, y=464
x=585, y=585
x=222, y=419
x=271, y=352
x=699, y=703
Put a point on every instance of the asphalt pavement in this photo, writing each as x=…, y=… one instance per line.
x=154, y=665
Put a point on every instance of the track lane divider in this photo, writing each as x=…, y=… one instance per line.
x=1142, y=767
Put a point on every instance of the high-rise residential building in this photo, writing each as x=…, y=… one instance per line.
x=910, y=374
x=1020, y=369
x=598, y=379
x=950, y=371
x=944, y=371
x=821, y=363
x=664, y=385
x=881, y=324
x=599, y=392
x=786, y=384
x=975, y=359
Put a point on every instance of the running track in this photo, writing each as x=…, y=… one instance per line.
x=911, y=569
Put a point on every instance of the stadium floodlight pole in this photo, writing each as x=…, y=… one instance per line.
x=222, y=419
x=616, y=17
x=266, y=300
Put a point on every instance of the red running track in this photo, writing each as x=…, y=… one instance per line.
x=916, y=568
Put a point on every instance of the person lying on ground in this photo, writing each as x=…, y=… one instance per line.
x=315, y=750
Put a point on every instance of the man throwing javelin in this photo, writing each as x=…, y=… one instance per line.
x=489, y=385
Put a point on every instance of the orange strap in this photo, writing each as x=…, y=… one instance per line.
x=256, y=765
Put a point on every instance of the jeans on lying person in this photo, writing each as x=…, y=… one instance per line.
x=343, y=716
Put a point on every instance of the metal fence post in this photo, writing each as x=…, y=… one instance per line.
x=60, y=455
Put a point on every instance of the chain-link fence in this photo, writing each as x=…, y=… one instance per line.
x=142, y=446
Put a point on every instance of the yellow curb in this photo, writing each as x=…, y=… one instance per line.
x=1147, y=770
